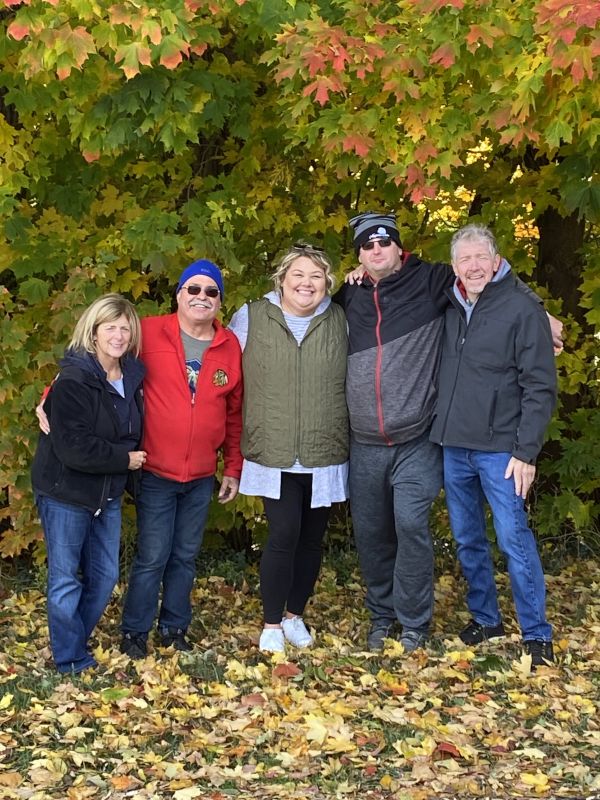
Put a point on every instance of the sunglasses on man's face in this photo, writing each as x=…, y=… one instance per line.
x=381, y=242
x=209, y=291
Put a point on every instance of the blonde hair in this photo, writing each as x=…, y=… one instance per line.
x=317, y=255
x=107, y=308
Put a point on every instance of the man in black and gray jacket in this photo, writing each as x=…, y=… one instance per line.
x=497, y=390
x=395, y=320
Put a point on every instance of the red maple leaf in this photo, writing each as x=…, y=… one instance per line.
x=444, y=55
x=359, y=143
x=286, y=670
x=17, y=30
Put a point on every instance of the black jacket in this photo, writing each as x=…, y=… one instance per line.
x=497, y=382
x=85, y=458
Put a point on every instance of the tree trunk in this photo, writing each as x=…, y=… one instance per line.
x=559, y=262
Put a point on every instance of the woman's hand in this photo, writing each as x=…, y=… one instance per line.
x=42, y=418
x=137, y=459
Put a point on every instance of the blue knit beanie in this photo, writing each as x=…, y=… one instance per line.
x=203, y=267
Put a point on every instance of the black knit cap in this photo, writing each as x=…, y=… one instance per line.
x=371, y=225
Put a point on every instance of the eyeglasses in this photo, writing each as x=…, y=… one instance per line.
x=209, y=291
x=304, y=246
x=381, y=242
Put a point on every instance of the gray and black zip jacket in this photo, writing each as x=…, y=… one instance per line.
x=85, y=458
x=395, y=336
x=497, y=385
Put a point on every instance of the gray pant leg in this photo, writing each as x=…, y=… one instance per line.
x=372, y=507
x=417, y=476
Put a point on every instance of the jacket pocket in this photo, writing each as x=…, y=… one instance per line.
x=492, y=414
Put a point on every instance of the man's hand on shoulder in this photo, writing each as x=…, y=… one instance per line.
x=356, y=276
x=556, y=328
x=523, y=475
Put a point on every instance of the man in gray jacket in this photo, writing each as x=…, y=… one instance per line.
x=497, y=390
x=395, y=320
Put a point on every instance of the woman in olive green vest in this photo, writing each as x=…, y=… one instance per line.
x=295, y=438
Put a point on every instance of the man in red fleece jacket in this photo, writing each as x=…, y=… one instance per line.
x=192, y=398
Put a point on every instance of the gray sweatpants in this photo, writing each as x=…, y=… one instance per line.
x=391, y=492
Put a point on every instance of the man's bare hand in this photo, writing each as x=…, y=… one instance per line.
x=356, y=276
x=556, y=327
x=523, y=475
x=229, y=489
x=42, y=418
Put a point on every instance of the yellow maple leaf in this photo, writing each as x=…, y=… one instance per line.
x=538, y=780
x=316, y=732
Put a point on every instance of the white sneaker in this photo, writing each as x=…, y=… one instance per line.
x=296, y=632
x=272, y=641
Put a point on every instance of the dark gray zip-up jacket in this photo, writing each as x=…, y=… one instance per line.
x=395, y=333
x=497, y=380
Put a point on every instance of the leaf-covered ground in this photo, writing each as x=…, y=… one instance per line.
x=334, y=721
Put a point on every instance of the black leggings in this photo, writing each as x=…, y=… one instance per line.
x=291, y=560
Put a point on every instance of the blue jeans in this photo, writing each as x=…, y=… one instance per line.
x=470, y=478
x=83, y=568
x=171, y=517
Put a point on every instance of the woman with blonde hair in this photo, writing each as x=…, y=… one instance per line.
x=295, y=433
x=80, y=469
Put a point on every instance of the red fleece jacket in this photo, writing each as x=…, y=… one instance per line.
x=182, y=438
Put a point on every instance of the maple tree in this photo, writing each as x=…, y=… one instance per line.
x=136, y=136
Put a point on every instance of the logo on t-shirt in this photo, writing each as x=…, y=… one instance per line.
x=193, y=368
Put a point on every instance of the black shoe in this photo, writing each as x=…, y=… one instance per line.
x=134, y=645
x=475, y=633
x=541, y=653
x=378, y=632
x=174, y=637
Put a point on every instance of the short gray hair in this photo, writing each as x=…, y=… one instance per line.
x=316, y=254
x=107, y=308
x=472, y=232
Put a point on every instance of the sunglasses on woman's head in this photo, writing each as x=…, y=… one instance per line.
x=381, y=242
x=303, y=246
x=209, y=291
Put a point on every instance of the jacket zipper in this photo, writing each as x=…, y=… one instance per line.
x=459, y=347
x=297, y=415
x=378, y=361
x=103, y=494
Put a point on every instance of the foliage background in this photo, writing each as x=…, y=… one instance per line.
x=137, y=136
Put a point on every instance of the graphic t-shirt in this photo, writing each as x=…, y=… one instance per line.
x=194, y=350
